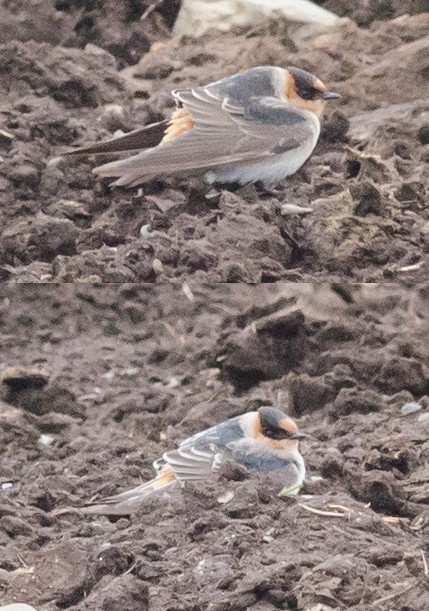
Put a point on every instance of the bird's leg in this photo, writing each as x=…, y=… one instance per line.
x=268, y=188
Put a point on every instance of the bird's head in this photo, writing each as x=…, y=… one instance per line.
x=306, y=90
x=278, y=429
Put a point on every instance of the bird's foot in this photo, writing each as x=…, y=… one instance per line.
x=268, y=189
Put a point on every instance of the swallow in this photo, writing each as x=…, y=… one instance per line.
x=258, y=125
x=265, y=440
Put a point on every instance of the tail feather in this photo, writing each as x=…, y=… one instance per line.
x=127, y=502
x=137, y=140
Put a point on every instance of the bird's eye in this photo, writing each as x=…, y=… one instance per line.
x=275, y=432
x=307, y=95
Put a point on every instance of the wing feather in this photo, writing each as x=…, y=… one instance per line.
x=201, y=455
x=190, y=464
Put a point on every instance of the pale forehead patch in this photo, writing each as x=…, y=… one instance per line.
x=319, y=85
x=288, y=425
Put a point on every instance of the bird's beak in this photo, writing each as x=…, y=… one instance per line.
x=298, y=436
x=330, y=95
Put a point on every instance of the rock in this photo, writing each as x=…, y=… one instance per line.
x=196, y=17
x=14, y=526
x=41, y=238
x=267, y=348
x=25, y=174
x=423, y=134
x=13, y=423
x=381, y=490
x=335, y=128
x=403, y=373
x=412, y=195
x=367, y=199
x=17, y=607
x=410, y=408
x=308, y=394
x=366, y=166
x=39, y=401
x=124, y=593
x=351, y=400
x=69, y=209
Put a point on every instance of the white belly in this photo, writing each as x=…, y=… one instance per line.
x=271, y=170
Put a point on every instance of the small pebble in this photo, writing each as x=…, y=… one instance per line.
x=423, y=417
x=225, y=498
x=267, y=538
x=157, y=267
x=6, y=136
x=4, y=575
x=410, y=408
x=145, y=231
x=130, y=372
x=187, y=292
x=294, y=209
x=46, y=440
x=173, y=382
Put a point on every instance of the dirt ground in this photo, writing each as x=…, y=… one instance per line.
x=129, y=371
x=75, y=72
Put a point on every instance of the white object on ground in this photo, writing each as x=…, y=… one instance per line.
x=17, y=607
x=410, y=408
x=196, y=17
x=294, y=209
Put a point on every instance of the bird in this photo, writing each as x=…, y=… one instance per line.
x=265, y=440
x=261, y=124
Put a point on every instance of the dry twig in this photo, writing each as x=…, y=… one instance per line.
x=320, y=512
x=377, y=602
x=346, y=513
x=425, y=564
x=150, y=9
